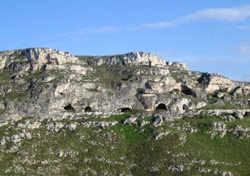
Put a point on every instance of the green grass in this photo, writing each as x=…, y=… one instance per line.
x=227, y=106
x=227, y=149
x=105, y=76
x=243, y=122
x=14, y=96
x=212, y=99
x=5, y=79
x=137, y=145
x=2, y=111
x=132, y=133
x=112, y=77
x=193, y=98
x=93, y=90
x=177, y=76
x=41, y=74
x=118, y=117
x=128, y=77
x=203, y=123
x=5, y=76
x=86, y=59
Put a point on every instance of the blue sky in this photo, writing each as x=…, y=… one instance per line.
x=208, y=35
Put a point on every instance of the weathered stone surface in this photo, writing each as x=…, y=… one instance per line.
x=39, y=58
x=99, y=124
x=216, y=82
x=237, y=113
x=45, y=83
x=133, y=58
x=130, y=120
x=219, y=128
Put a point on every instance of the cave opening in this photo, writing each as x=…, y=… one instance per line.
x=247, y=114
x=161, y=107
x=187, y=91
x=125, y=109
x=88, y=109
x=69, y=107
x=185, y=107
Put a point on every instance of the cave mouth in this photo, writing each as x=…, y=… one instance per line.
x=247, y=114
x=188, y=91
x=185, y=107
x=69, y=107
x=161, y=107
x=88, y=109
x=125, y=109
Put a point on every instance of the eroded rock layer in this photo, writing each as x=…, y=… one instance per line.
x=46, y=83
x=127, y=114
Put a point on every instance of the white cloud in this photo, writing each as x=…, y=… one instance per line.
x=223, y=14
x=99, y=30
x=104, y=29
x=246, y=27
x=244, y=49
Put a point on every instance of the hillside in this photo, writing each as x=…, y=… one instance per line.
x=127, y=114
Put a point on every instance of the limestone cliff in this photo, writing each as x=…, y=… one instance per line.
x=128, y=114
x=48, y=83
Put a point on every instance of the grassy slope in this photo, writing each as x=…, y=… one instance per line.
x=102, y=150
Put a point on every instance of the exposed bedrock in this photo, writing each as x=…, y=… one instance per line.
x=43, y=82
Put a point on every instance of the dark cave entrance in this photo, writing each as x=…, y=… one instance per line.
x=185, y=107
x=69, y=107
x=125, y=109
x=247, y=114
x=161, y=107
x=187, y=91
x=88, y=109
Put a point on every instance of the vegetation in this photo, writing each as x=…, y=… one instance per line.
x=93, y=90
x=177, y=76
x=75, y=146
x=140, y=90
x=244, y=122
x=13, y=96
x=226, y=106
x=113, y=77
x=212, y=99
x=98, y=151
x=2, y=111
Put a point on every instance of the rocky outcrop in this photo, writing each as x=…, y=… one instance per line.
x=35, y=59
x=133, y=58
x=48, y=83
x=131, y=114
x=216, y=82
x=236, y=113
x=177, y=65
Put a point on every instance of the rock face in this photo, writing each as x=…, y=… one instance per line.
x=216, y=82
x=128, y=114
x=47, y=83
x=133, y=58
x=38, y=58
